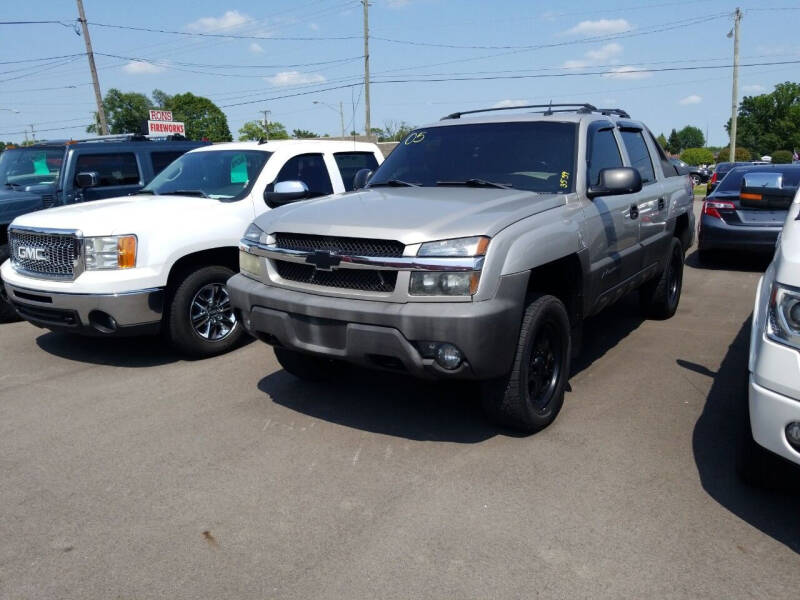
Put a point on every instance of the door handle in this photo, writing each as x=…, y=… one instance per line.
x=660, y=204
x=634, y=211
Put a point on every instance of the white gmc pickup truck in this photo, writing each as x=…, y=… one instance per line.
x=158, y=260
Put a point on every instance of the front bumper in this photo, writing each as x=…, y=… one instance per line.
x=716, y=234
x=125, y=313
x=382, y=334
x=770, y=413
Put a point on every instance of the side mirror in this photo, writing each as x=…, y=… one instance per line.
x=613, y=182
x=361, y=178
x=87, y=179
x=285, y=192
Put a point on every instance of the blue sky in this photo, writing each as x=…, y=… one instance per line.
x=510, y=41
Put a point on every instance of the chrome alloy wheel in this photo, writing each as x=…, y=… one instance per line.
x=211, y=314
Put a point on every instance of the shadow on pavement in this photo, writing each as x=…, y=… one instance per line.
x=148, y=351
x=730, y=260
x=389, y=404
x=393, y=404
x=775, y=513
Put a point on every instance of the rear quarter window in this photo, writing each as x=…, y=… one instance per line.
x=118, y=168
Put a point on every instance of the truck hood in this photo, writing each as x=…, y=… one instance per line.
x=410, y=215
x=127, y=214
x=17, y=203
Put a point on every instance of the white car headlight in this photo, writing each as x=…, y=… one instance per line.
x=783, y=316
x=471, y=246
x=110, y=252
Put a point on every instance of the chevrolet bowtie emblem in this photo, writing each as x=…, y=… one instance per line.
x=324, y=261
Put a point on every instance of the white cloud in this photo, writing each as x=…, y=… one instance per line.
x=285, y=78
x=256, y=48
x=599, y=55
x=600, y=27
x=138, y=67
x=509, y=103
x=232, y=19
x=691, y=99
x=627, y=72
x=754, y=89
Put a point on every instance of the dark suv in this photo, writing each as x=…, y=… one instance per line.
x=55, y=173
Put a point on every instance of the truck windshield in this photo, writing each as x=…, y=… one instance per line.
x=20, y=167
x=534, y=156
x=219, y=174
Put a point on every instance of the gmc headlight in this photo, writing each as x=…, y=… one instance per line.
x=109, y=252
x=471, y=246
x=256, y=235
x=783, y=316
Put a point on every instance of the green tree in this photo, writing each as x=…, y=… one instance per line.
x=673, y=143
x=254, y=130
x=770, y=121
x=697, y=156
x=781, y=157
x=203, y=118
x=160, y=99
x=691, y=137
x=394, y=131
x=303, y=134
x=662, y=141
x=742, y=154
x=125, y=112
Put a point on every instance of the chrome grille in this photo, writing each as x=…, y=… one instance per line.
x=58, y=253
x=351, y=279
x=339, y=245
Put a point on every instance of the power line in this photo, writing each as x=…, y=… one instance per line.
x=229, y=35
x=169, y=64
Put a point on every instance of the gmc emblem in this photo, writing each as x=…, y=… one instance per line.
x=27, y=253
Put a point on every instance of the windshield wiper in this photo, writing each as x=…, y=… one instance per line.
x=477, y=183
x=199, y=193
x=394, y=183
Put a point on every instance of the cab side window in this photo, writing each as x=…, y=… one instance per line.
x=350, y=163
x=161, y=160
x=603, y=154
x=311, y=170
x=119, y=168
x=639, y=154
x=667, y=167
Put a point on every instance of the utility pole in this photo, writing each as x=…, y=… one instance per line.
x=367, y=124
x=33, y=133
x=737, y=17
x=266, y=123
x=101, y=114
x=341, y=116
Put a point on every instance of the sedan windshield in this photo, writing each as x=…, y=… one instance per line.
x=219, y=174
x=21, y=167
x=534, y=156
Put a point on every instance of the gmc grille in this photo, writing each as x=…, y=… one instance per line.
x=46, y=255
x=339, y=245
x=351, y=279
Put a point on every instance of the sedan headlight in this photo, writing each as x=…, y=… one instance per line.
x=449, y=283
x=109, y=252
x=783, y=316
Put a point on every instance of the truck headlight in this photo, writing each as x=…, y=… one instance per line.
x=449, y=283
x=110, y=252
x=255, y=235
x=471, y=246
x=783, y=316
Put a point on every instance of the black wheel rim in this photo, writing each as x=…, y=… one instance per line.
x=544, y=365
x=674, y=279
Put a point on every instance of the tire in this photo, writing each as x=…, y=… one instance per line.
x=7, y=312
x=530, y=397
x=305, y=366
x=199, y=313
x=659, y=297
x=695, y=180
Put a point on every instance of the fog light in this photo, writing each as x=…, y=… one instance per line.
x=793, y=434
x=448, y=356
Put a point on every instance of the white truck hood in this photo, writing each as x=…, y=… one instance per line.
x=129, y=214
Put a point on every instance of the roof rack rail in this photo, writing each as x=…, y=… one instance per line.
x=614, y=111
x=130, y=137
x=568, y=107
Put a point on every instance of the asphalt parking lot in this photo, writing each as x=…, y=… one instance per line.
x=130, y=473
